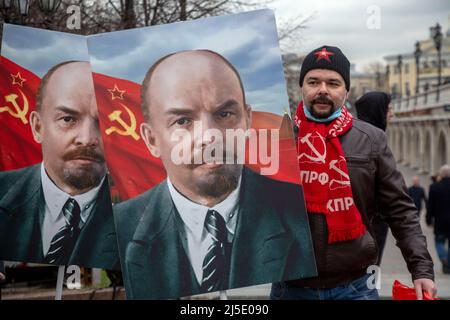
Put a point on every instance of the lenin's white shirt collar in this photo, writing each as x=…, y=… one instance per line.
x=194, y=214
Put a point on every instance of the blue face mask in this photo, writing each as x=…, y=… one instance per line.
x=333, y=116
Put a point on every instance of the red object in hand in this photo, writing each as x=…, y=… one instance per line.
x=402, y=292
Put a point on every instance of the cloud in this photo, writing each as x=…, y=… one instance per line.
x=249, y=41
x=236, y=37
x=46, y=48
x=271, y=99
x=19, y=37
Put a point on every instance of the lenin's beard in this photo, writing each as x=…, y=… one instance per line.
x=222, y=181
x=219, y=181
x=84, y=177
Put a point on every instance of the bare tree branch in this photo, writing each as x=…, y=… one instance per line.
x=115, y=8
x=290, y=32
x=110, y=15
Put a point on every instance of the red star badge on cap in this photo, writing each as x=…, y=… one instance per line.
x=323, y=54
x=116, y=93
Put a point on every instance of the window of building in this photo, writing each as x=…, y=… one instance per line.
x=407, y=68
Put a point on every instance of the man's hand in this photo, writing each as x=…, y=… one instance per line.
x=425, y=284
x=2, y=276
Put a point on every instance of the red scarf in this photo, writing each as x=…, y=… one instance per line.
x=324, y=175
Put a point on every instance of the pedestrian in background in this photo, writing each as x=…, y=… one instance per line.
x=417, y=193
x=438, y=215
x=375, y=108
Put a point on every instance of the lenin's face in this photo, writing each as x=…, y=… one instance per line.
x=187, y=88
x=67, y=126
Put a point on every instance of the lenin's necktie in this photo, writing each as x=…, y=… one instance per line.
x=214, y=263
x=64, y=241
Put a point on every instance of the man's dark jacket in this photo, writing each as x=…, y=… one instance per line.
x=22, y=211
x=378, y=188
x=439, y=207
x=271, y=242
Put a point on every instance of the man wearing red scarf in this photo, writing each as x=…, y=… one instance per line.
x=349, y=176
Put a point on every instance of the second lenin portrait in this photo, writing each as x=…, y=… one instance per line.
x=55, y=206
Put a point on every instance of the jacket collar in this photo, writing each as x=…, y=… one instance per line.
x=27, y=186
x=259, y=228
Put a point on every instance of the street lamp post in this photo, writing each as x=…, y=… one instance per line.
x=399, y=67
x=437, y=38
x=425, y=89
x=388, y=71
x=378, y=79
x=23, y=6
x=417, y=54
x=5, y=6
x=49, y=6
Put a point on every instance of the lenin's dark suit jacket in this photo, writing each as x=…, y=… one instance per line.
x=272, y=240
x=22, y=211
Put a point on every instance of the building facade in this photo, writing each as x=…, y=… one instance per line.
x=406, y=77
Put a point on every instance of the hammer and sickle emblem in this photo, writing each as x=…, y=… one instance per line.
x=127, y=129
x=341, y=183
x=317, y=157
x=18, y=112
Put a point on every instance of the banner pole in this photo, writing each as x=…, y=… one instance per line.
x=60, y=282
x=223, y=295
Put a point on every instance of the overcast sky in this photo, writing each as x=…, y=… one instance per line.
x=343, y=24
x=38, y=49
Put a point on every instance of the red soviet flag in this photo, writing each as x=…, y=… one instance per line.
x=132, y=167
x=18, y=88
x=287, y=169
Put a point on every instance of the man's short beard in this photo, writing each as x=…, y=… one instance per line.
x=321, y=115
x=322, y=100
x=83, y=178
x=221, y=182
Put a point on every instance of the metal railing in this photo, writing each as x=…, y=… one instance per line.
x=425, y=100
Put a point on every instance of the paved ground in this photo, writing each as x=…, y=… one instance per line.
x=49, y=294
x=393, y=266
